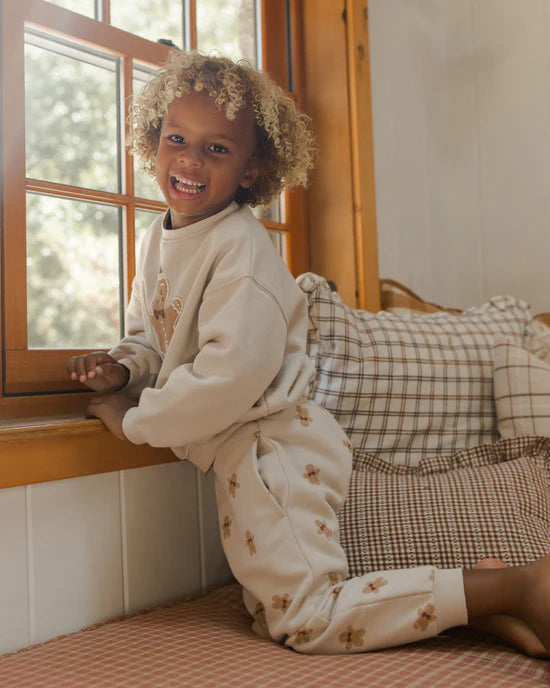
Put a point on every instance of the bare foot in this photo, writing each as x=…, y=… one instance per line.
x=511, y=629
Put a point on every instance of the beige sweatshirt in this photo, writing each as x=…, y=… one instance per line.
x=216, y=334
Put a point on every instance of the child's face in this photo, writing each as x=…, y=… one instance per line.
x=203, y=158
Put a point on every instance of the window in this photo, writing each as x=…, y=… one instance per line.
x=74, y=206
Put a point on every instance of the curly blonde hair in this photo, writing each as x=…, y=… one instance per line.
x=285, y=146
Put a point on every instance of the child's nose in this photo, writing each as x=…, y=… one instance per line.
x=191, y=156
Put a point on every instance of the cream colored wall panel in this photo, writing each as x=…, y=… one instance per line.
x=462, y=146
x=161, y=534
x=425, y=147
x=399, y=124
x=383, y=93
x=512, y=90
x=216, y=568
x=75, y=545
x=442, y=44
x=14, y=592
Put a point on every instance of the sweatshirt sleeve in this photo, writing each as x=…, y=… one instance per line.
x=134, y=350
x=242, y=338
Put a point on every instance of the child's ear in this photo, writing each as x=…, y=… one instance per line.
x=251, y=173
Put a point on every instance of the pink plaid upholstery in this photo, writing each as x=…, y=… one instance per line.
x=408, y=386
x=207, y=643
x=451, y=511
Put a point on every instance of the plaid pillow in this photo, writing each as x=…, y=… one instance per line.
x=449, y=511
x=407, y=386
x=522, y=391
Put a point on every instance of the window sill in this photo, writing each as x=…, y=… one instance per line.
x=25, y=429
x=55, y=448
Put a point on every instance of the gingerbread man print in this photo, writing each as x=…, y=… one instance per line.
x=323, y=529
x=164, y=317
x=250, y=542
x=233, y=485
x=304, y=635
x=375, y=585
x=352, y=637
x=226, y=527
x=281, y=602
x=426, y=616
x=333, y=578
x=336, y=591
x=302, y=414
x=259, y=613
x=312, y=474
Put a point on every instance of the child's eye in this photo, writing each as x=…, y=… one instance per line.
x=218, y=148
x=176, y=138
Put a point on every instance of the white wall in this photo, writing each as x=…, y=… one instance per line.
x=461, y=110
x=75, y=552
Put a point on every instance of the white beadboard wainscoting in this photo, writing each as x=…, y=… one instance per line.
x=79, y=551
x=461, y=113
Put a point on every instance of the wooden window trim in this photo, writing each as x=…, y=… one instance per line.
x=34, y=451
x=43, y=434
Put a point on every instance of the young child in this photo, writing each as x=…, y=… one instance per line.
x=214, y=366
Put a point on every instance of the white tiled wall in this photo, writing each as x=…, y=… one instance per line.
x=461, y=111
x=79, y=551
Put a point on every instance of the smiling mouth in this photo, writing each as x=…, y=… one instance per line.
x=184, y=185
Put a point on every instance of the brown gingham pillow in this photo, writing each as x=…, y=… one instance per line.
x=522, y=390
x=449, y=511
x=408, y=386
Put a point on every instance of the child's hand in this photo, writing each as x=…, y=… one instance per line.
x=111, y=409
x=98, y=371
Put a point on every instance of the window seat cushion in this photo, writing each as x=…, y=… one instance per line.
x=207, y=642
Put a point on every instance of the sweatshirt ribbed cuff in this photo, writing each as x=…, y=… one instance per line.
x=130, y=428
x=450, y=600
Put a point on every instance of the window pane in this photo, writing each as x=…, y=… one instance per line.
x=144, y=218
x=228, y=26
x=73, y=280
x=71, y=115
x=144, y=185
x=152, y=20
x=81, y=6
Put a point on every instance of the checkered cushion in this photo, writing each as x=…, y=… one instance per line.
x=407, y=386
x=522, y=391
x=208, y=643
x=450, y=511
